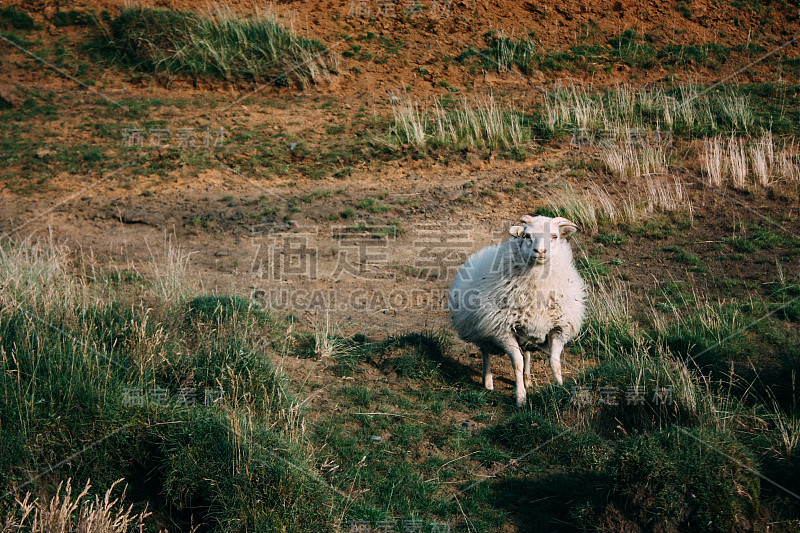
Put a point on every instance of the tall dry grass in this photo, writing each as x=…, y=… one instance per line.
x=762, y=162
x=67, y=513
x=592, y=206
x=628, y=160
x=619, y=111
x=477, y=123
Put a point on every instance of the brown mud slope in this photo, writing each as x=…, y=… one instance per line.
x=429, y=34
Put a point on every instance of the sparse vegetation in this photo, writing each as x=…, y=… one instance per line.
x=373, y=205
x=505, y=53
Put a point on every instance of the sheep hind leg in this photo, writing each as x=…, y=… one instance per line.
x=488, y=382
x=527, y=372
x=556, y=345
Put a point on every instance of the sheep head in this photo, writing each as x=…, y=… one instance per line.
x=541, y=238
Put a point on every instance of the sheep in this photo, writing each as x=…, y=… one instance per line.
x=520, y=293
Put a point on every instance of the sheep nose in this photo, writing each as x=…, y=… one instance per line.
x=541, y=251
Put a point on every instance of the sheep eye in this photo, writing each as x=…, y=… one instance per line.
x=555, y=237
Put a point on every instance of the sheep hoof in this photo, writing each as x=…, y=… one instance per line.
x=488, y=383
x=521, y=399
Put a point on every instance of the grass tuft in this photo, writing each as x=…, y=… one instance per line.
x=63, y=513
x=480, y=124
x=593, y=207
x=656, y=114
x=763, y=162
x=219, y=44
x=12, y=17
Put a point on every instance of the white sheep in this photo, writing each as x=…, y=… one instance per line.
x=522, y=292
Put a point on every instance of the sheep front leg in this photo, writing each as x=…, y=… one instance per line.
x=527, y=373
x=488, y=382
x=556, y=346
x=515, y=354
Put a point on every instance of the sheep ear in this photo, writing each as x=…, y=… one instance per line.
x=516, y=231
x=565, y=227
x=525, y=219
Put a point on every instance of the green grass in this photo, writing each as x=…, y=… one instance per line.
x=610, y=239
x=661, y=227
x=629, y=48
x=642, y=53
x=683, y=111
x=14, y=18
x=358, y=396
x=786, y=299
x=373, y=205
x=505, y=53
x=220, y=45
x=655, y=459
x=592, y=268
x=478, y=124
x=762, y=239
x=711, y=54
x=109, y=380
x=73, y=17
x=405, y=424
x=696, y=480
x=682, y=256
x=397, y=475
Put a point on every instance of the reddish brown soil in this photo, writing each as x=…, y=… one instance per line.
x=431, y=34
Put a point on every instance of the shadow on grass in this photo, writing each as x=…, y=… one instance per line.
x=553, y=502
x=419, y=355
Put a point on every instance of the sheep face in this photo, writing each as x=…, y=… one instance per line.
x=540, y=238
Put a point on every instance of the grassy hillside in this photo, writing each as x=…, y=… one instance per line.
x=183, y=397
x=149, y=392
